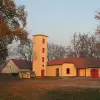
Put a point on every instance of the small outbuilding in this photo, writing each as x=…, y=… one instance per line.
x=21, y=68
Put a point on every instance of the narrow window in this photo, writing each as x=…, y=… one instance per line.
x=67, y=71
x=43, y=50
x=43, y=41
x=42, y=59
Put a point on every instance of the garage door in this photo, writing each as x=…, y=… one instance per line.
x=94, y=73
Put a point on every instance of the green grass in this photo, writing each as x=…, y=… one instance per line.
x=91, y=94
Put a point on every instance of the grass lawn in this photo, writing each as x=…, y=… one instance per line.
x=9, y=96
x=42, y=90
x=58, y=94
x=86, y=94
x=5, y=94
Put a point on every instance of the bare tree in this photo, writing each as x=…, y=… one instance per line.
x=83, y=45
x=25, y=50
x=56, y=51
x=97, y=17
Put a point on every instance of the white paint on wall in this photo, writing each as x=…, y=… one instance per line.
x=10, y=68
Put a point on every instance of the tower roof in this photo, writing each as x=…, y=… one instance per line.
x=40, y=35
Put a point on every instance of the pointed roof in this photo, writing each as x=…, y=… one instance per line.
x=40, y=35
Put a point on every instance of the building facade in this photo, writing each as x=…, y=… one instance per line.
x=40, y=55
x=69, y=67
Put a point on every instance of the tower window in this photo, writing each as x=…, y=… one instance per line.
x=43, y=41
x=43, y=50
x=42, y=59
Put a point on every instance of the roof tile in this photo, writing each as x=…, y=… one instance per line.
x=78, y=62
x=22, y=64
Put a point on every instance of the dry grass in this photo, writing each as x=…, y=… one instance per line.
x=40, y=89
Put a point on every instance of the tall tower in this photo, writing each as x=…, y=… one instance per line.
x=39, y=55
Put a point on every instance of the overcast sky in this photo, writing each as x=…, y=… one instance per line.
x=60, y=19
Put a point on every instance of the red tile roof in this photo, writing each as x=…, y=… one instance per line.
x=22, y=64
x=78, y=62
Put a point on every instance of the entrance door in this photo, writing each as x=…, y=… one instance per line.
x=57, y=72
x=94, y=73
x=42, y=73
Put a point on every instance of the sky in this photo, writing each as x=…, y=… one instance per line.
x=60, y=19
